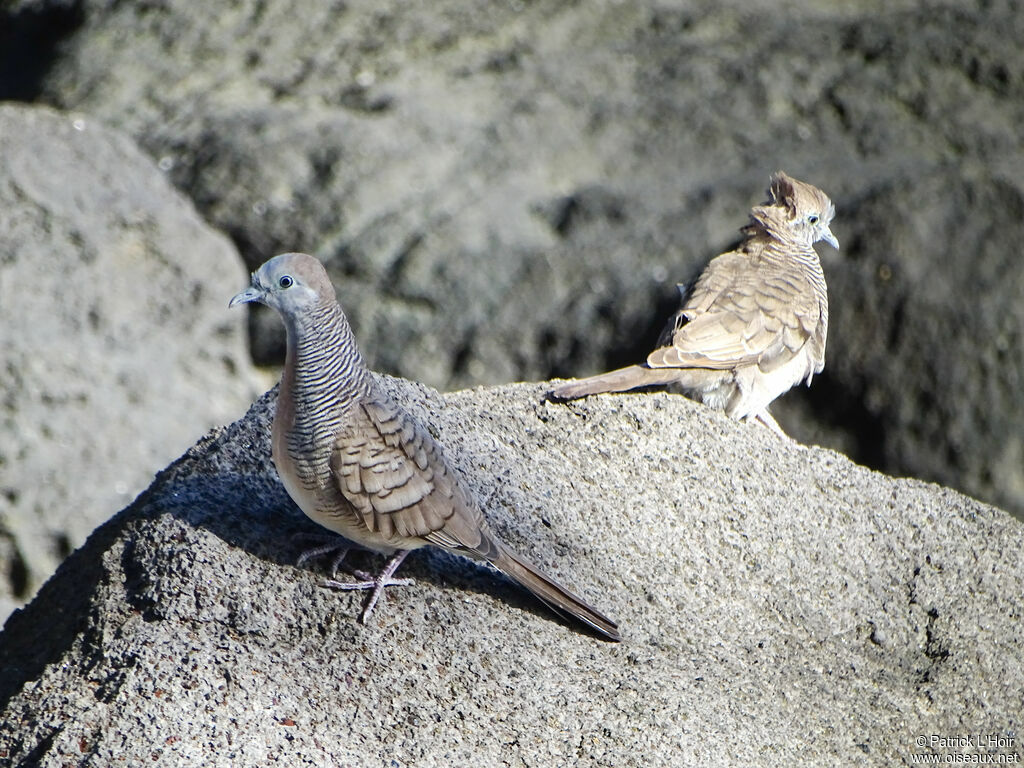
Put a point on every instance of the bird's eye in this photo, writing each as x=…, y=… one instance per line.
x=285, y=281
x=813, y=218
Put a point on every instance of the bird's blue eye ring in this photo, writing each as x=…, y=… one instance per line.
x=813, y=218
x=285, y=281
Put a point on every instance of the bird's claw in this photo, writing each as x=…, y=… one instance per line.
x=376, y=583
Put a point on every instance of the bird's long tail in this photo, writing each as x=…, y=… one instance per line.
x=630, y=377
x=551, y=593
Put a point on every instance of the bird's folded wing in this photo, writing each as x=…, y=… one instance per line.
x=717, y=280
x=741, y=318
x=392, y=471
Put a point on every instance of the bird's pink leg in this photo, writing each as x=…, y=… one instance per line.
x=769, y=421
x=328, y=543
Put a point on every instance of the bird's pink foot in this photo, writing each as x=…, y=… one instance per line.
x=376, y=583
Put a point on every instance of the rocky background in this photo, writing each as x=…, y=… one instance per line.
x=509, y=190
x=118, y=351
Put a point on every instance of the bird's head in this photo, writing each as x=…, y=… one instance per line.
x=808, y=211
x=291, y=283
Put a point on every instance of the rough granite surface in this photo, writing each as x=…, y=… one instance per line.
x=781, y=605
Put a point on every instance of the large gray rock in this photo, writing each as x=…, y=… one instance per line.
x=509, y=191
x=118, y=349
x=780, y=606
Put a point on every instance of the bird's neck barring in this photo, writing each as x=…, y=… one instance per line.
x=322, y=349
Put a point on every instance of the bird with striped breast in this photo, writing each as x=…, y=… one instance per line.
x=358, y=464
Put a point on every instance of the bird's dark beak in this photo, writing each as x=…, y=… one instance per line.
x=252, y=293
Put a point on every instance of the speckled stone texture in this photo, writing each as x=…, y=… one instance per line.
x=780, y=606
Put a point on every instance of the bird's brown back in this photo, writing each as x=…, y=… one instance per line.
x=761, y=304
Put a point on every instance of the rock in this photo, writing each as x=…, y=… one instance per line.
x=780, y=605
x=118, y=346
x=508, y=191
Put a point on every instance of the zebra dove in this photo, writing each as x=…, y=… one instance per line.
x=754, y=324
x=356, y=463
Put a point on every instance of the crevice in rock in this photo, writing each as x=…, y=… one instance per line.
x=30, y=39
